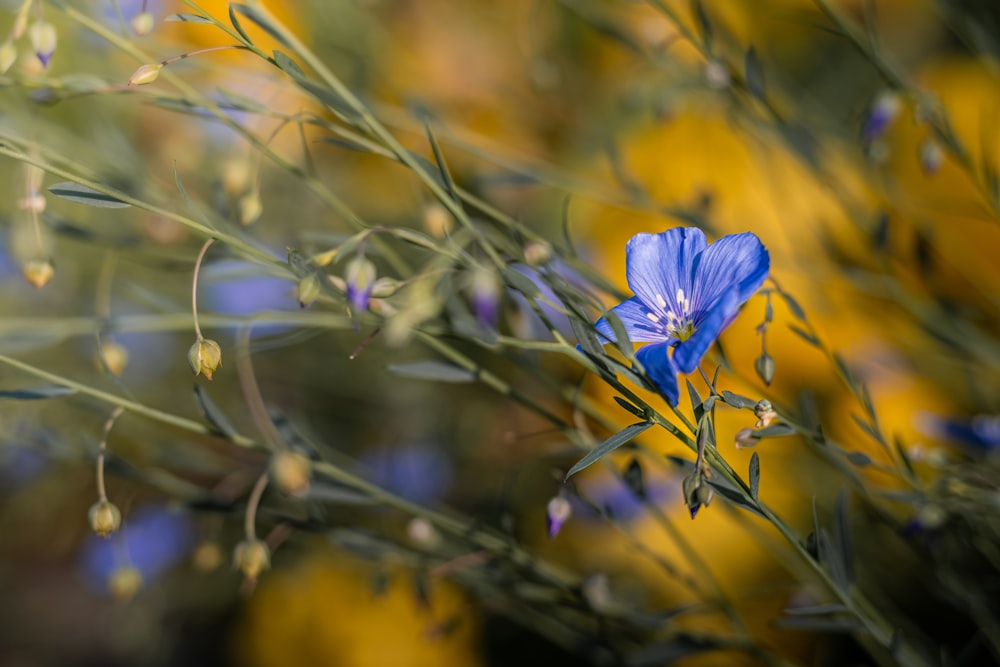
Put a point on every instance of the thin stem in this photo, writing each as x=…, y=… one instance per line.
x=198, y=52
x=102, y=448
x=252, y=503
x=251, y=391
x=194, y=286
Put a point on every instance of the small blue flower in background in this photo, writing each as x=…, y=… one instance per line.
x=418, y=471
x=686, y=293
x=979, y=434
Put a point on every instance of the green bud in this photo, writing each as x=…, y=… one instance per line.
x=205, y=356
x=105, y=518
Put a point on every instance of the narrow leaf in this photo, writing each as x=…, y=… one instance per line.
x=213, y=414
x=774, y=431
x=80, y=194
x=804, y=335
x=754, y=475
x=794, y=307
x=432, y=370
x=442, y=166
x=860, y=459
x=734, y=496
x=842, y=536
x=754, y=74
x=36, y=393
x=521, y=283
x=738, y=401
x=629, y=407
x=255, y=15
x=620, y=438
x=236, y=24
x=634, y=478
x=696, y=402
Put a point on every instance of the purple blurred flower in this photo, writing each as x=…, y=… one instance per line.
x=557, y=512
x=152, y=540
x=360, y=277
x=979, y=433
x=881, y=114
x=421, y=472
x=486, y=296
x=687, y=292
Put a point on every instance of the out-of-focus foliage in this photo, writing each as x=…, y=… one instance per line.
x=418, y=210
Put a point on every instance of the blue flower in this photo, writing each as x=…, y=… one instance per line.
x=686, y=293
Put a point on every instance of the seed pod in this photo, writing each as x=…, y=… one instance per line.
x=105, y=518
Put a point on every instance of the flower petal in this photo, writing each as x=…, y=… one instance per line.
x=660, y=368
x=737, y=262
x=635, y=316
x=658, y=265
x=688, y=354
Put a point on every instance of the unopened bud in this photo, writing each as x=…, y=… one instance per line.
x=764, y=366
x=205, y=356
x=207, y=556
x=251, y=557
x=746, y=438
x=360, y=277
x=142, y=23
x=537, y=253
x=308, y=290
x=290, y=471
x=384, y=287
x=42, y=36
x=8, y=54
x=38, y=272
x=882, y=113
x=558, y=511
x=114, y=356
x=250, y=208
x=765, y=413
x=931, y=157
x=486, y=295
x=124, y=582
x=422, y=532
x=437, y=220
x=105, y=517
x=147, y=73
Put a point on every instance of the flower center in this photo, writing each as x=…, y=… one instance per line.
x=678, y=319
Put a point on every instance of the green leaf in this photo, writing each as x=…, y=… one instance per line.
x=622, y=340
x=734, y=496
x=774, y=431
x=442, y=166
x=288, y=66
x=634, y=478
x=36, y=393
x=429, y=369
x=521, y=283
x=620, y=438
x=254, y=15
x=842, y=537
x=738, y=401
x=754, y=74
x=213, y=414
x=860, y=459
x=696, y=402
x=794, y=307
x=629, y=407
x=189, y=18
x=805, y=335
x=754, y=475
x=237, y=26
x=81, y=194
x=704, y=25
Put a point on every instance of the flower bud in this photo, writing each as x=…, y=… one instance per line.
x=422, y=532
x=931, y=156
x=205, y=356
x=746, y=438
x=764, y=365
x=558, y=512
x=437, y=220
x=717, y=75
x=290, y=471
x=38, y=271
x=105, y=518
x=882, y=113
x=142, y=23
x=537, y=253
x=251, y=557
x=124, y=582
x=42, y=36
x=308, y=290
x=147, y=73
x=114, y=356
x=250, y=208
x=360, y=276
x=384, y=287
x=765, y=413
x=8, y=54
x=486, y=296
x=207, y=556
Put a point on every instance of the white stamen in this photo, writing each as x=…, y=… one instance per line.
x=660, y=300
x=652, y=318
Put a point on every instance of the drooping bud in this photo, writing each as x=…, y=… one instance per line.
x=105, y=518
x=8, y=54
x=251, y=557
x=360, y=275
x=486, y=296
x=114, y=356
x=308, y=290
x=142, y=23
x=765, y=413
x=205, y=356
x=558, y=511
x=124, y=582
x=882, y=113
x=250, y=207
x=38, y=271
x=764, y=365
x=290, y=471
x=43, y=38
x=147, y=73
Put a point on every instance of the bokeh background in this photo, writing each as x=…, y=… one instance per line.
x=588, y=121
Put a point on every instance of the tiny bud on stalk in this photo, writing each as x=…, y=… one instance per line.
x=43, y=38
x=290, y=472
x=125, y=582
x=115, y=357
x=558, y=511
x=251, y=557
x=142, y=23
x=205, y=356
x=145, y=74
x=250, y=208
x=105, y=518
x=38, y=272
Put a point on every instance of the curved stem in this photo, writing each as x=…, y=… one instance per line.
x=252, y=503
x=194, y=286
x=102, y=448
